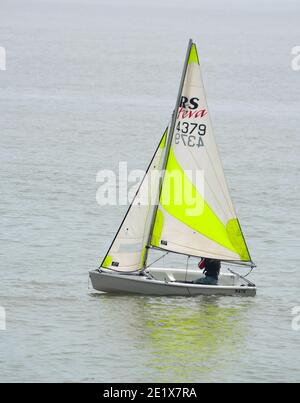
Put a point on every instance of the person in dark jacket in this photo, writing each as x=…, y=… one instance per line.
x=211, y=269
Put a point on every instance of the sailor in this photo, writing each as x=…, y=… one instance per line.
x=211, y=269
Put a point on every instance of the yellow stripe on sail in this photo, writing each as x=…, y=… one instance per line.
x=236, y=237
x=162, y=143
x=193, y=57
x=107, y=262
x=157, y=229
x=180, y=198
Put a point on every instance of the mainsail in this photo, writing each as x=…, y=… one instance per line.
x=190, y=210
x=127, y=251
x=202, y=222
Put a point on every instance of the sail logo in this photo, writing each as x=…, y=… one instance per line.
x=189, y=108
x=296, y=318
x=2, y=58
x=295, y=63
x=2, y=318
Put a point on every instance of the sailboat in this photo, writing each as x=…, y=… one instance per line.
x=173, y=211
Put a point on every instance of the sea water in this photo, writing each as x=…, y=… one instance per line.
x=89, y=83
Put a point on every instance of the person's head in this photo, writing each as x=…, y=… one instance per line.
x=212, y=264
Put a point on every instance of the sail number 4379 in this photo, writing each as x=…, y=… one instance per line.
x=190, y=134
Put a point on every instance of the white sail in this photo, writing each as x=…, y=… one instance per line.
x=127, y=251
x=196, y=218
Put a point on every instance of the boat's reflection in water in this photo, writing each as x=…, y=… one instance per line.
x=182, y=339
x=192, y=337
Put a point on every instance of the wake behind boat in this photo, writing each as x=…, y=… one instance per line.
x=182, y=206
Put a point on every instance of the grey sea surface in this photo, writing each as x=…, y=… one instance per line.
x=90, y=83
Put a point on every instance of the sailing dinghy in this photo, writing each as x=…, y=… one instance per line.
x=179, y=213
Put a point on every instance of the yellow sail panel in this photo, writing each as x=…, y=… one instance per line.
x=193, y=57
x=157, y=229
x=107, y=261
x=237, y=239
x=180, y=199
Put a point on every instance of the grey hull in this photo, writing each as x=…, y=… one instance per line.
x=135, y=284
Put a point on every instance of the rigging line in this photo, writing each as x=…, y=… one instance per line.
x=246, y=275
x=250, y=283
x=157, y=260
x=187, y=266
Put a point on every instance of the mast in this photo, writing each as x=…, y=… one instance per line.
x=168, y=145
